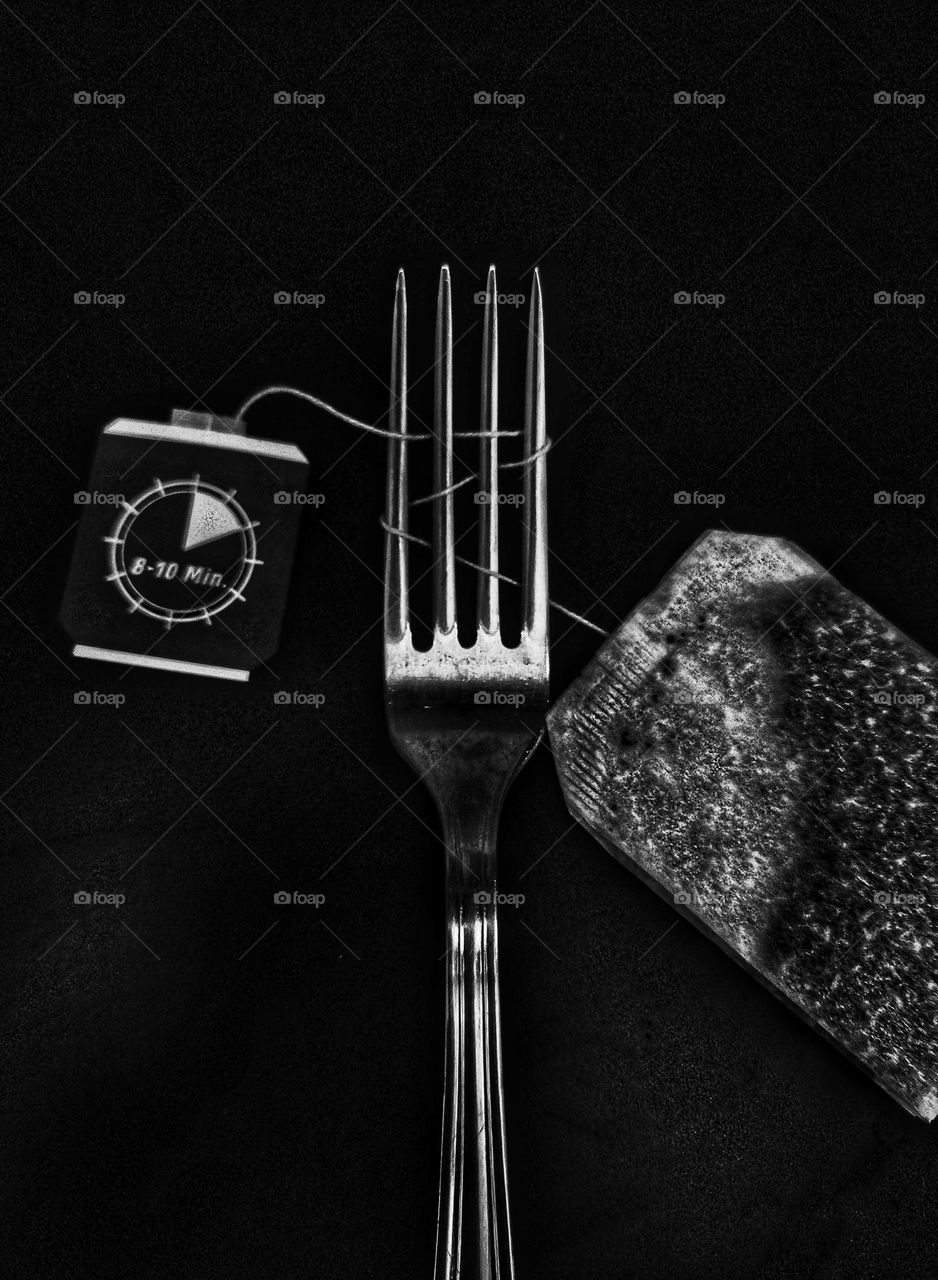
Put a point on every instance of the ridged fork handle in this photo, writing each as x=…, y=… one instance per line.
x=473, y=1232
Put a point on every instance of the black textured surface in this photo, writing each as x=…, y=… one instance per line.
x=207, y=1114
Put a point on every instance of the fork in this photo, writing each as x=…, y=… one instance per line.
x=466, y=720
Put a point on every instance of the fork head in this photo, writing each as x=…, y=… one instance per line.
x=447, y=671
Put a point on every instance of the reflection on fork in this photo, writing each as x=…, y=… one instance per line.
x=466, y=719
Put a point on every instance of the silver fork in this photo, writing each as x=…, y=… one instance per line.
x=467, y=719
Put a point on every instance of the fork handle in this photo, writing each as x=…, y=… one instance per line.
x=473, y=1230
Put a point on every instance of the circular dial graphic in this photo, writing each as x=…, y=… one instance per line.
x=182, y=551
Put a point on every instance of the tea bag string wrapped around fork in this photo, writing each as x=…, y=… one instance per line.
x=439, y=493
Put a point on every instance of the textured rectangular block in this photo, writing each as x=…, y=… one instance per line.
x=762, y=746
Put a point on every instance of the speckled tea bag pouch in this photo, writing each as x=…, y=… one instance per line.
x=762, y=747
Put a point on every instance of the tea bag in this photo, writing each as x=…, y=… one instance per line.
x=762, y=747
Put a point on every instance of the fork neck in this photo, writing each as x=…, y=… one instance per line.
x=469, y=835
x=473, y=1232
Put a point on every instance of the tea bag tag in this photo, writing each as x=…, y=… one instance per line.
x=186, y=543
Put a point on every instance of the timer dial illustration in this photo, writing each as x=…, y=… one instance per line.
x=182, y=551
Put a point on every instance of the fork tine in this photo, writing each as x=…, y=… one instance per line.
x=534, y=523
x=488, y=465
x=444, y=554
x=395, y=548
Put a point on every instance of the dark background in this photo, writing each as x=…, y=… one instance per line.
x=202, y=1084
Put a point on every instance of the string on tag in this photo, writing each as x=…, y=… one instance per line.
x=430, y=497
